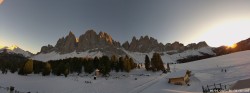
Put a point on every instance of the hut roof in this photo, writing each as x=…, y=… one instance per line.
x=97, y=70
x=177, y=74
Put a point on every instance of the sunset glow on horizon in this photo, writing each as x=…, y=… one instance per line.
x=233, y=46
x=227, y=32
x=32, y=24
x=1, y=2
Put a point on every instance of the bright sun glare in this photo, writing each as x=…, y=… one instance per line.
x=227, y=33
x=233, y=46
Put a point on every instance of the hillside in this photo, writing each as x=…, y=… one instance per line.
x=16, y=50
x=205, y=72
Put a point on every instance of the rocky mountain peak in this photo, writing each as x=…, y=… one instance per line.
x=71, y=33
x=106, y=37
x=125, y=45
x=202, y=44
x=134, y=39
x=90, y=40
x=46, y=49
x=144, y=44
x=16, y=50
x=69, y=43
x=177, y=45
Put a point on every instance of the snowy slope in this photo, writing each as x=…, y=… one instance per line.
x=207, y=71
x=56, y=56
x=140, y=57
x=207, y=50
x=236, y=64
x=137, y=56
x=16, y=50
x=166, y=58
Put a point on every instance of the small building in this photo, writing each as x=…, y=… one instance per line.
x=97, y=72
x=179, y=78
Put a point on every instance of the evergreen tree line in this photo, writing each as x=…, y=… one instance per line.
x=24, y=66
x=104, y=64
x=155, y=64
x=194, y=58
x=11, y=62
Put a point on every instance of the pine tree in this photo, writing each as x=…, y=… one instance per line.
x=114, y=62
x=46, y=69
x=96, y=62
x=66, y=69
x=105, y=65
x=89, y=66
x=28, y=67
x=66, y=72
x=120, y=64
x=157, y=63
x=126, y=64
x=147, y=63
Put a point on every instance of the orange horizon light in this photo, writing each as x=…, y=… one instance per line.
x=232, y=46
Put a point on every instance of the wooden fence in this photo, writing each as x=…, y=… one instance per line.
x=214, y=88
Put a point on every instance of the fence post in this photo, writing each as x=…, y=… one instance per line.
x=203, y=89
x=208, y=88
x=214, y=85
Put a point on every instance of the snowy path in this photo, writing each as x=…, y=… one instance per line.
x=142, y=87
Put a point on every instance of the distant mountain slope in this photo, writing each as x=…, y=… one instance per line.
x=57, y=56
x=16, y=50
x=240, y=46
x=140, y=57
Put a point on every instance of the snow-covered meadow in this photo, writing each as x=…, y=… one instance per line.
x=205, y=72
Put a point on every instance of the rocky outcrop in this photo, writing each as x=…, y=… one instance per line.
x=147, y=44
x=70, y=43
x=125, y=45
x=196, y=46
x=47, y=49
x=87, y=40
x=91, y=40
x=66, y=45
x=177, y=46
x=144, y=44
x=102, y=41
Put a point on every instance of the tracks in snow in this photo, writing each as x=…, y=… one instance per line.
x=142, y=87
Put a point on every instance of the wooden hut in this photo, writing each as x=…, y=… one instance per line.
x=97, y=72
x=180, y=77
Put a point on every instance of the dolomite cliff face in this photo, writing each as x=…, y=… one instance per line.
x=92, y=41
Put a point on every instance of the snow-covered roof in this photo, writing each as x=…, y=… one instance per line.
x=180, y=73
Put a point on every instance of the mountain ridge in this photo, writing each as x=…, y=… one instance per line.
x=15, y=49
x=91, y=44
x=102, y=40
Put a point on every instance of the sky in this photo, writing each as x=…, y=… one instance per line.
x=31, y=24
